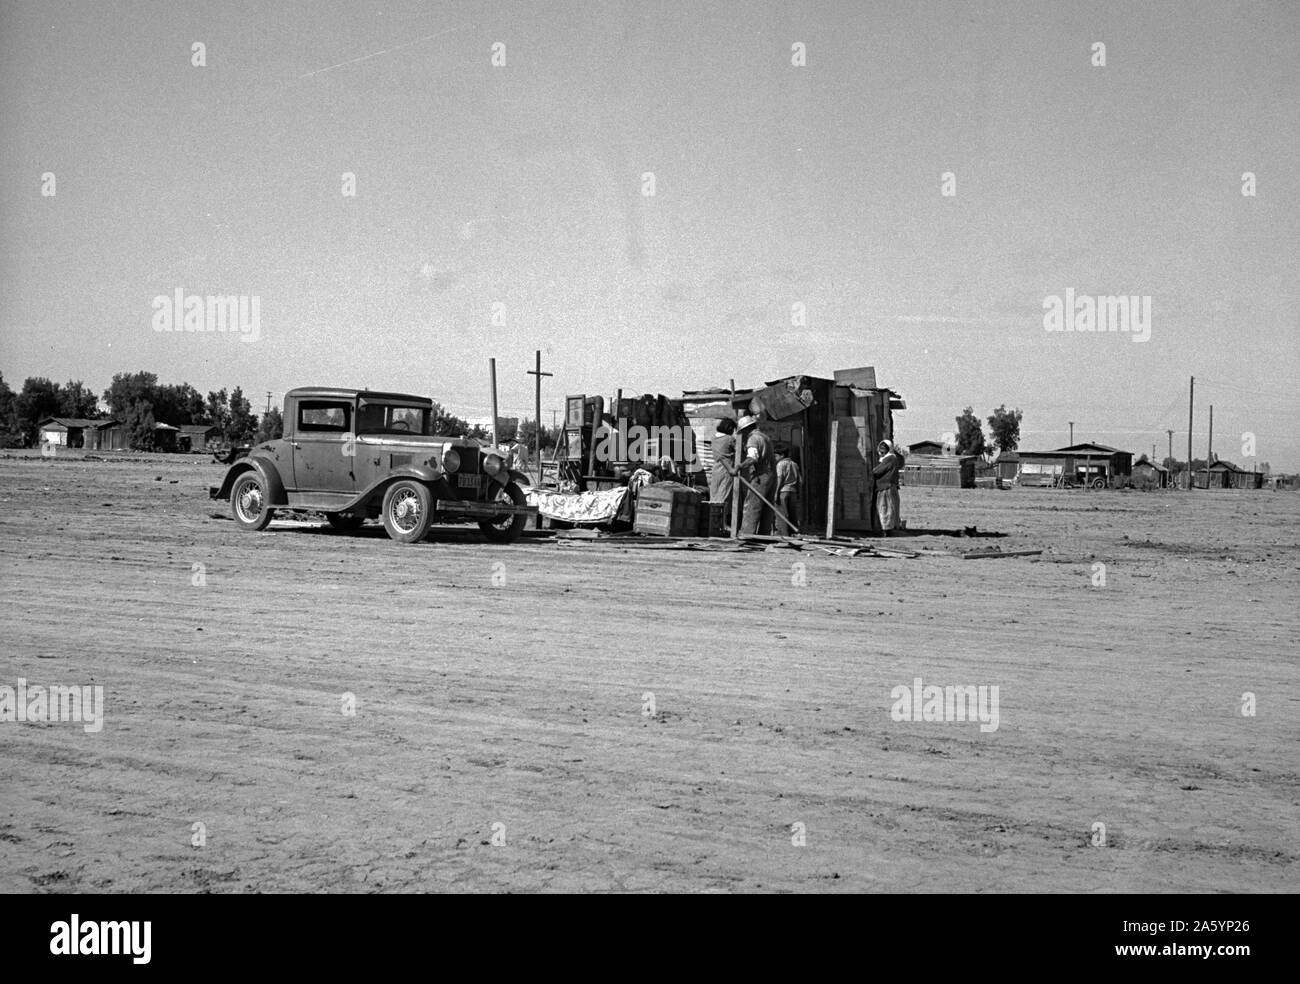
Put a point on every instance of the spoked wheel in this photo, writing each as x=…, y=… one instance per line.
x=408, y=511
x=507, y=529
x=345, y=521
x=248, y=503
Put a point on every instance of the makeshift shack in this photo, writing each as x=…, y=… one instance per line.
x=831, y=427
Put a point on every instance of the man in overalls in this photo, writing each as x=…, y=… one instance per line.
x=759, y=469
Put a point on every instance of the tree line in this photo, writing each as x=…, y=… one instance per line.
x=139, y=402
x=136, y=400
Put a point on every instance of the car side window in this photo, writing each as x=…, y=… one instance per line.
x=324, y=417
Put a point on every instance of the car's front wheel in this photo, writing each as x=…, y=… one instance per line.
x=248, y=502
x=408, y=511
x=507, y=529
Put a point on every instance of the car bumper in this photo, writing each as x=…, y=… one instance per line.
x=483, y=510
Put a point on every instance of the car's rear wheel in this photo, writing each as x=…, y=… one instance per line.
x=507, y=529
x=248, y=502
x=408, y=511
x=345, y=521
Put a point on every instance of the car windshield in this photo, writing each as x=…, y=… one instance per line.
x=387, y=418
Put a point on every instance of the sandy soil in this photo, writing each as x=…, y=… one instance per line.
x=501, y=695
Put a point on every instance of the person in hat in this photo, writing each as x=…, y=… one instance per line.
x=759, y=469
x=885, y=475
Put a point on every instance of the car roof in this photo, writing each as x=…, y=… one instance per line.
x=335, y=392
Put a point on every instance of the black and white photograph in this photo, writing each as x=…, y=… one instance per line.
x=650, y=447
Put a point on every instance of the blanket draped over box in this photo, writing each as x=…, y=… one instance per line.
x=577, y=507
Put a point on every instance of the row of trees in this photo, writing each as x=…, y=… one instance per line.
x=1004, y=430
x=138, y=401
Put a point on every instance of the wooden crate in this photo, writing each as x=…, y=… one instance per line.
x=666, y=512
x=710, y=518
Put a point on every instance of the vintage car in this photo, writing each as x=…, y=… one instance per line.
x=356, y=455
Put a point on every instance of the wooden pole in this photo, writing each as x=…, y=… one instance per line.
x=1191, y=399
x=830, y=485
x=492, y=371
x=735, y=482
x=538, y=419
x=762, y=498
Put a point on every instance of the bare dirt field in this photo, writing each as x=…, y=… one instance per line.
x=500, y=739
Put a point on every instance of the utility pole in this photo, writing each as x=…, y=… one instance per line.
x=1209, y=450
x=1191, y=399
x=492, y=371
x=1071, y=433
x=537, y=439
x=1171, y=444
x=554, y=422
x=268, y=401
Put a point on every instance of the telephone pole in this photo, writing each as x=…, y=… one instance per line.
x=1071, y=433
x=537, y=438
x=1191, y=399
x=268, y=401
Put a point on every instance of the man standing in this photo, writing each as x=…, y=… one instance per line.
x=787, y=484
x=759, y=469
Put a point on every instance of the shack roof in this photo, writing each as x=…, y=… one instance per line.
x=75, y=423
x=1089, y=448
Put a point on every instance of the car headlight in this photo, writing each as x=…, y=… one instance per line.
x=450, y=461
x=493, y=465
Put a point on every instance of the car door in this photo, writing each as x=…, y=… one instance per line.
x=323, y=448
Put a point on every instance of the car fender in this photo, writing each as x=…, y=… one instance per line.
x=421, y=473
x=265, y=469
x=519, y=478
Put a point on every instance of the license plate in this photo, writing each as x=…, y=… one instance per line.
x=468, y=481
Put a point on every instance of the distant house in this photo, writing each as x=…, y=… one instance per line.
x=943, y=470
x=197, y=437
x=67, y=432
x=1005, y=466
x=1149, y=475
x=108, y=435
x=927, y=448
x=165, y=437
x=1089, y=465
x=1226, y=475
x=931, y=463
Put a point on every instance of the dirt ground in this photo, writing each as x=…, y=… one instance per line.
x=501, y=738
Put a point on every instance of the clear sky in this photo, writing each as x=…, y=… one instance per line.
x=521, y=185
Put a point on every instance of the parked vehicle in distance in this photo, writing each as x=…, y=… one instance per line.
x=357, y=454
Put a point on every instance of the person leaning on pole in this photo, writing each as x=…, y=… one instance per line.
x=759, y=469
